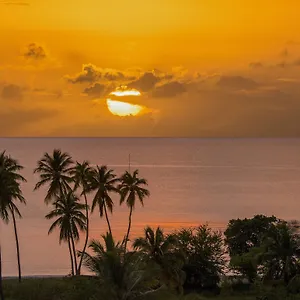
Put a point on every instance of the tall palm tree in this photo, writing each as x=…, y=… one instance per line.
x=55, y=171
x=10, y=191
x=103, y=182
x=131, y=188
x=81, y=175
x=69, y=217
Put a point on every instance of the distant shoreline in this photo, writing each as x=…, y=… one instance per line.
x=35, y=276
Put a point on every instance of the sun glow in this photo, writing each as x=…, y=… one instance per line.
x=126, y=93
x=122, y=108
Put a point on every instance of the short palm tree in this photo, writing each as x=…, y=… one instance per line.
x=10, y=192
x=69, y=217
x=155, y=244
x=163, y=251
x=108, y=253
x=81, y=174
x=54, y=170
x=103, y=182
x=131, y=188
x=123, y=277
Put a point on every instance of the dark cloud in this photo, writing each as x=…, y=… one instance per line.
x=113, y=76
x=12, y=122
x=44, y=92
x=162, y=75
x=255, y=65
x=237, y=82
x=35, y=51
x=96, y=90
x=116, y=76
x=91, y=74
x=170, y=89
x=12, y=91
x=145, y=83
x=17, y=3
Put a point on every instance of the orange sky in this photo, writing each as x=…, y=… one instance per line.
x=206, y=68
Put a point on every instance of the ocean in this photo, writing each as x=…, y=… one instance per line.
x=191, y=181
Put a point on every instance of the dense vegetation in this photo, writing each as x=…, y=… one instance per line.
x=262, y=253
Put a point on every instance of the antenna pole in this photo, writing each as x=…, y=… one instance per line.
x=129, y=163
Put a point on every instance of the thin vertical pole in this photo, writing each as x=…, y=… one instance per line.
x=129, y=163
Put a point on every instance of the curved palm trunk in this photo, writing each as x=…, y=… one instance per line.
x=17, y=244
x=74, y=253
x=71, y=256
x=87, y=233
x=107, y=220
x=1, y=288
x=128, y=231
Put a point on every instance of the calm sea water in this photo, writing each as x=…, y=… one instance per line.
x=192, y=181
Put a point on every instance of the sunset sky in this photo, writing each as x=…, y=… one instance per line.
x=216, y=68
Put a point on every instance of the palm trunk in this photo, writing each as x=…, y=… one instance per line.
x=1, y=288
x=74, y=253
x=17, y=244
x=107, y=220
x=87, y=233
x=128, y=231
x=71, y=256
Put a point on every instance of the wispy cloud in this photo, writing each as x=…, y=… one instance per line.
x=18, y=3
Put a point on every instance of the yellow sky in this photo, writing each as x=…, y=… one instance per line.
x=218, y=54
x=135, y=17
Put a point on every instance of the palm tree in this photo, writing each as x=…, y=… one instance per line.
x=103, y=182
x=282, y=252
x=107, y=254
x=55, y=171
x=68, y=211
x=155, y=244
x=131, y=187
x=10, y=191
x=81, y=175
x=163, y=251
x=123, y=277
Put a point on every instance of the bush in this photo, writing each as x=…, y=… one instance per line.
x=76, y=288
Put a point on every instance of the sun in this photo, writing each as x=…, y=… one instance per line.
x=122, y=108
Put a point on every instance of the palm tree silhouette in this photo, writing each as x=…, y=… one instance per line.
x=55, y=171
x=68, y=211
x=123, y=276
x=131, y=188
x=163, y=251
x=103, y=182
x=155, y=244
x=10, y=191
x=107, y=256
x=81, y=175
x=282, y=251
